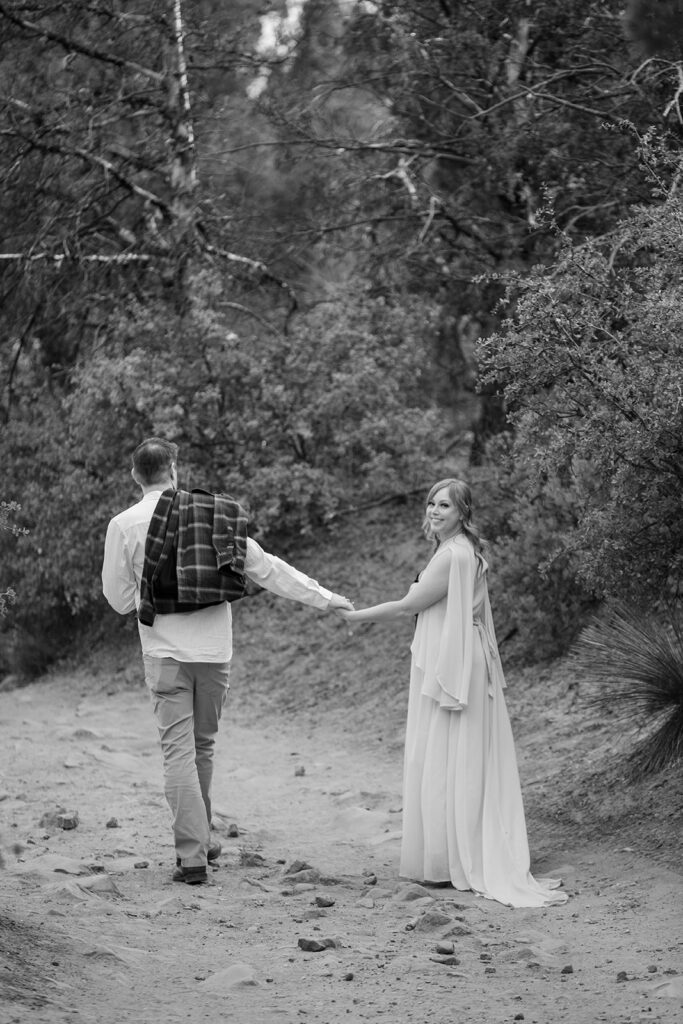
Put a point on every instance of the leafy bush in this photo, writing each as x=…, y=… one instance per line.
x=295, y=426
x=590, y=364
x=539, y=604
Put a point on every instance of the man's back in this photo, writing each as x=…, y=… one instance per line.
x=202, y=635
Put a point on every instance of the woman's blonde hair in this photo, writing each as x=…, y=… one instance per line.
x=460, y=494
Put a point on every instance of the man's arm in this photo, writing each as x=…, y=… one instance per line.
x=283, y=579
x=118, y=578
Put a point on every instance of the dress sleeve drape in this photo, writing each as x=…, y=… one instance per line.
x=444, y=634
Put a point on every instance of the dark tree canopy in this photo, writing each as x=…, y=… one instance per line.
x=281, y=242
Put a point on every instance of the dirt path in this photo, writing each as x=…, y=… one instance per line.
x=93, y=930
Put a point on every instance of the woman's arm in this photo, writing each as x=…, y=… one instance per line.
x=430, y=588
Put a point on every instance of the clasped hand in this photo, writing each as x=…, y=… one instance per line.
x=340, y=604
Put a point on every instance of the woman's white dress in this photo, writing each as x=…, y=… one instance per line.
x=463, y=816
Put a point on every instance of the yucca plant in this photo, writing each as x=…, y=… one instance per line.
x=633, y=665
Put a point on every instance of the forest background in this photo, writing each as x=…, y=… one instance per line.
x=337, y=250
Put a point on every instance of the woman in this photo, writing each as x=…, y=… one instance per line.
x=463, y=817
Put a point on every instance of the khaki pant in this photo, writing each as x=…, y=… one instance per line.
x=188, y=699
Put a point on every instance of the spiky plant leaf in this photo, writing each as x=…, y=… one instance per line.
x=633, y=665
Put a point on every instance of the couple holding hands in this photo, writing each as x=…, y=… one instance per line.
x=463, y=816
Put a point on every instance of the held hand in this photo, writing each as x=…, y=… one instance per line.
x=340, y=604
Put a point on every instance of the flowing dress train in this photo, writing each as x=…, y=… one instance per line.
x=463, y=816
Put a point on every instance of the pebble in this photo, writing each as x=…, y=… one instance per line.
x=141, y=864
x=567, y=970
x=67, y=820
x=448, y=961
x=112, y=823
x=306, y=875
x=296, y=866
x=324, y=901
x=432, y=919
x=317, y=946
x=233, y=831
x=300, y=770
x=236, y=975
x=445, y=948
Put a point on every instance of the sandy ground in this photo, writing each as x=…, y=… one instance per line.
x=92, y=929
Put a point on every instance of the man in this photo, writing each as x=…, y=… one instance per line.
x=187, y=654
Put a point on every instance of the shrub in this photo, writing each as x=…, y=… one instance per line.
x=632, y=665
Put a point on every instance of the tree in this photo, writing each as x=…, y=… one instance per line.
x=432, y=136
x=590, y=363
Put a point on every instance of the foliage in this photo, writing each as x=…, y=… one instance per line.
x=435, y=134
x=335, y=412
x=463, y=117
x=590, y=364
x=539, y=604
x=633, y=667
x=291, y=283
x=7, y=510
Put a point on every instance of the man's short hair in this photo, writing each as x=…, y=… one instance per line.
x=152, y=459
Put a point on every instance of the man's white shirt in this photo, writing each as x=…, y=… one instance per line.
x=205, y=634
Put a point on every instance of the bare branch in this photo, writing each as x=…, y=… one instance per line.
x=71, y=46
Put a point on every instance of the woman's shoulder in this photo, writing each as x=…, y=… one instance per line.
x=459, y=547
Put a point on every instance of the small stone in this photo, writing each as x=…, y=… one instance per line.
x=567, y=970
x=300, y=770
x=622, y=976
x=296, y=866
x=233, y=831
x=67, y=820
x=459, y=930
x=235, y=976
x=112, y=823
x=445, y=948
x=489, y=970
x=312, y=946
x=348, y=977
x=518, y=1016
x=323, y=901
x=447, y=961
x=485, y=956
x=432, y=919
x=409, y=893
x=308, y=876
x=370, y=878
x=49, y=819
x=365, y=901
x=652, y=969
x=141, y=864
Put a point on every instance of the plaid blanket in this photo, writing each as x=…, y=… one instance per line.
x=194, y=553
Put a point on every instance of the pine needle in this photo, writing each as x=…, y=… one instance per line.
x=633, y=665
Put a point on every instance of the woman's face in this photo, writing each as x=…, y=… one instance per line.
x=444, y=518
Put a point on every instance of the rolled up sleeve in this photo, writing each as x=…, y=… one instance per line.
x=277, y=576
